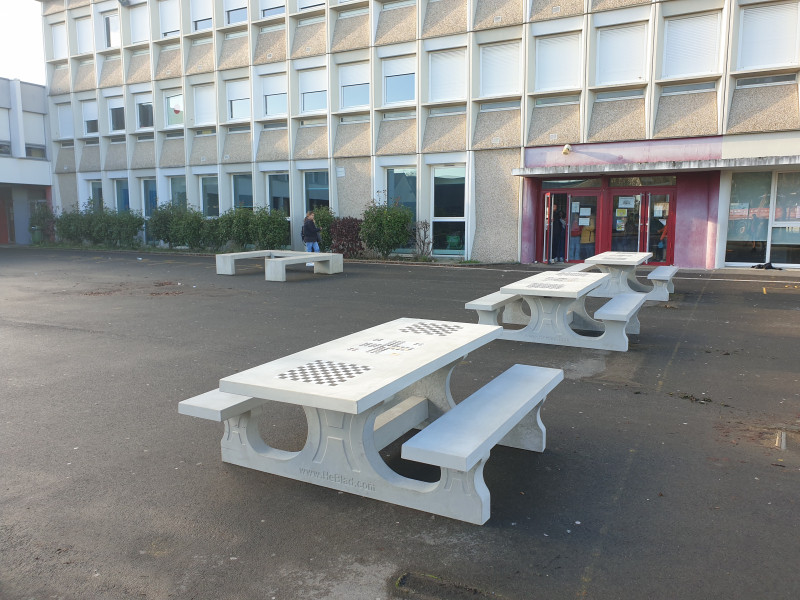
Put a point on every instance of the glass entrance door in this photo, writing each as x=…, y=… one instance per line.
x=581, y=227
x=659, y=241
x=625, y=222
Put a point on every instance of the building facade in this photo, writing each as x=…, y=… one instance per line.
x=671, y=126
x=25, y=172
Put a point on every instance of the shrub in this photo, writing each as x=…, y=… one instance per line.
x=189, y=229
x=423, y=243
x=323, y=217
x=163, y=224
x=43, y=219
x=125, y=228
x=70, y=227
x=386, y=227
x=270, y=229
x=241, y=226
x=345, y=237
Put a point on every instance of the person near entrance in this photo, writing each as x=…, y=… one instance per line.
x=574, y=237
x=587, y=239
x=559, y=229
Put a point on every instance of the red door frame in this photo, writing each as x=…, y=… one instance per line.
x=604, y=217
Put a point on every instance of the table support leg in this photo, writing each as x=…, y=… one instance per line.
x=621, y=280
x=340, y=453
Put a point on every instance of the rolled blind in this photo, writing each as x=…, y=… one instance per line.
x=89, y=110
x=170, y=16
x=83, y=31
x=500, y=69
x=234, y=4
x=273, y=84
x=768, y=36
x=59, y=32
x=312, y=81
x=202, y=9
x=205, y=105
x=691, y=46
x=66, y=129
x=399, y=66
x=34, y=128
x=5, y=125
x=558, y=62
x=354, y=74
x=448, y=75
x=140, y=24
x=621, y=53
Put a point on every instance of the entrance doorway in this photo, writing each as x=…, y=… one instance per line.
x=630, y=216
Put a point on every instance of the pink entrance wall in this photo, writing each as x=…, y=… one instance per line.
x=696, y=219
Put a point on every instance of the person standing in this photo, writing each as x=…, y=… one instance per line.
x=310, y=233
x=587, y=239
x=559, y=229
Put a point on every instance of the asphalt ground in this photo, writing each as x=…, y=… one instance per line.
x=663, y=476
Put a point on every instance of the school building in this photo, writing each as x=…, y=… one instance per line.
x=671, y=126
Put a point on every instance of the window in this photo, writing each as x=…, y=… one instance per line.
x=174, y=110
x=448, y=75
x=209, y=196
x=238, y=99
x=621, y=53
x=111, y=29
x=177, y=191
x=401, y=188
x=149, y=196
x=278, y=192
x=313, y=90
x=354, y=82
x=500, y=69
x=121, y=195
x=140, y=23
x=116, y=114
x=202, y=12
x=274, y=88
x=315, y=189
x=169, y=17
x=144, y=110
x=558, y=62
x=746, y=82
x=205, y=105
x=95, y=194
x=243, y=191
x=306, y=4
x=66, y=128
x=235, y=11
x=270, y=8
x=59, y=37
x=449, y=224
x=83, y=33
x=691, y=46
x=89, y=112
x=768, y=36
x=399, y=80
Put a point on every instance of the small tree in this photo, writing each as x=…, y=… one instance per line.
x=385, y=227
x=323, y=217
x=345, y=237
x=423, y=243
x=42, y=219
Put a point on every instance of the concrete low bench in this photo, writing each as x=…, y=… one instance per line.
x=577, y=268
x=461, y=440
x=662, y=282
x=275, y=261
x=492, y=307
x=622, y=311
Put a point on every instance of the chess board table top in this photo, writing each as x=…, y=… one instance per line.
x=358, y=371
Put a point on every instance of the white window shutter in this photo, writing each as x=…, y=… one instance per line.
x=313, y=80
x=59, y=32
x=66, y=128
x=202, y=9
x=34, y=128
x=234, y=4
x=621, y=54
x=169, y=14
x=768, y=36
x=273, y=84
x=558, y=62
x=354, y=74
x=691, y=46
x=500, y=69
x=205, y=105
x=5, y=125
x=83, y=31
x=448, y=75
x=399, y=66
x=238, y=89
x=140, y=24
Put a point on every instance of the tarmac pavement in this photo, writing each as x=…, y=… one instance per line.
x=663, y=477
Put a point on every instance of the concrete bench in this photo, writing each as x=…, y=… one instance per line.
x=662, y=282
x=621, y=311
x=576, y=268
x=275, y=262
x=492, y=307
x=461, y=439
